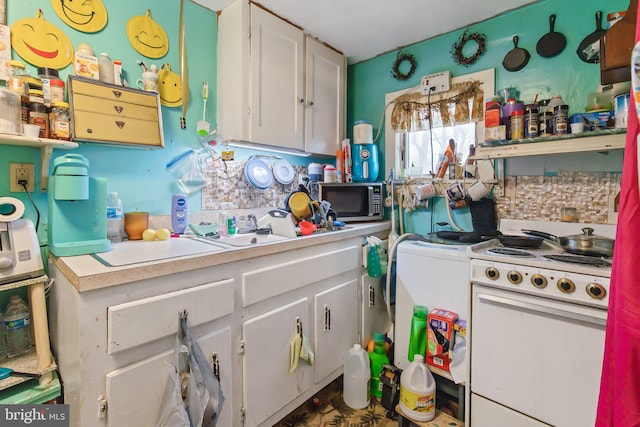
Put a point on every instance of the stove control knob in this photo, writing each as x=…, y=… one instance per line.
x=596, y=291
x=539, y=281
x=515, y=277
x=566, y=286
x=492, y=273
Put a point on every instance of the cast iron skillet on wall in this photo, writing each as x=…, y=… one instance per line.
x=551, y=43
x=517, y=58
x=583, y=48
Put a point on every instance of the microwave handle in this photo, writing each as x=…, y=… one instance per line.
x=370, y=198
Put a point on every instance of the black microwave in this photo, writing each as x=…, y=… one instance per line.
x=358, y=201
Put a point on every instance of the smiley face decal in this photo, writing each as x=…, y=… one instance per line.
x=147, y=36
x=41, y=43
x=89, y=16
x=169, y=87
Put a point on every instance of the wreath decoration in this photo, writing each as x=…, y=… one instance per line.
x=456, y=49
x=401, y=58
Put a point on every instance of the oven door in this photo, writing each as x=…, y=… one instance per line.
x=538, y=357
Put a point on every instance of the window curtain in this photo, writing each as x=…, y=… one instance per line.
x=463, y=103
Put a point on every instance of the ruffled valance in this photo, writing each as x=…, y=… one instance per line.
x=463, y=103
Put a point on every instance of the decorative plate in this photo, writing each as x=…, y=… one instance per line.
x=258, y=173
x=283, y=172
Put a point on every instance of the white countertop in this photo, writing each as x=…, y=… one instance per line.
x=86, y=273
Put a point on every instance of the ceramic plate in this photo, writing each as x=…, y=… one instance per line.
x=258, y=173
x=283, y=172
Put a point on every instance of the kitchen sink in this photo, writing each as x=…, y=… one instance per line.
x=248, y=239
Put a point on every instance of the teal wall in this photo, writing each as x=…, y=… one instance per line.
x=138, y=175
x=564, y=74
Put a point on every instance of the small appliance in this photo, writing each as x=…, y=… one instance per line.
x=20, y=256
x=353, y=201
x=77, y=208
x=364, y=153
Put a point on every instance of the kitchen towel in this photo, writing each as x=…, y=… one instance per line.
x=619, y=403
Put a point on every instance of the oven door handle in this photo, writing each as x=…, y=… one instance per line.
x=542, y=309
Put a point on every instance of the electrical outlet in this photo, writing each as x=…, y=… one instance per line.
x=436, y=83
x=18, y=172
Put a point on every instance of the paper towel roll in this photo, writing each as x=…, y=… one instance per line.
x=10, y=209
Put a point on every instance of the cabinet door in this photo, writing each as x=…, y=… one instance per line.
x=336, y=326
x=276, y=81
x=134, y=392
x=267, y=385
x=374, y=308
x=325, y=98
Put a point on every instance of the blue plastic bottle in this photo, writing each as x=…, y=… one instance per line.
x=418, y=336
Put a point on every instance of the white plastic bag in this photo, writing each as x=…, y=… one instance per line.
x=200, y=403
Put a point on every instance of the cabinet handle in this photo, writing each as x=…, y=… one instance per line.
x=216, y=366
x=327, y=318
x=372, y=296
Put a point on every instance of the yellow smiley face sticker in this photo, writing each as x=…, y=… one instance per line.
x=89, y=16
x=147, y=36
x=41, y=43
x=169, y=87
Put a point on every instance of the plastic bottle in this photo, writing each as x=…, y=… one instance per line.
x=3, y=346
x=105, y=68
x=418, y=391
x=382, y=256
x=356, y=378
x=17, y=323
x=373, y=260
x=418, y=336
x=115, y=218
x=447, y=157
x=378, y=358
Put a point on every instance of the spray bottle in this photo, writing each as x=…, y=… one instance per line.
x=373, y=258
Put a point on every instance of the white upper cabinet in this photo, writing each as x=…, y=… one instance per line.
x=325, y=98
x=273, y=87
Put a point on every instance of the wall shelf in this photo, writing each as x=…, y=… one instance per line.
x=46, y=150
x=606, y=140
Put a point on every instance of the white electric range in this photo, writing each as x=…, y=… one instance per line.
x=537, y=330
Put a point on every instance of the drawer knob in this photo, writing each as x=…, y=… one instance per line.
x=120, y=124
x=117, y=93
x=118, y=109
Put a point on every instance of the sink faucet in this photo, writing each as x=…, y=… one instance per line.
x=252, y=222
x=248, y=224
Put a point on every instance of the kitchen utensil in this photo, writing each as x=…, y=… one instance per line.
x=283, y=172
x=258, y=173
x=184, y=67
x=203, y=126
x=586, y=243
x=551, y=43
x=589, y=48
x=306, y=228
x=299, y=203
x=532, y=242
x=7, y=372
x=280, y=221
x=517, y=58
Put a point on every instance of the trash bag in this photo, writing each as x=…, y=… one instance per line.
x=192, y=397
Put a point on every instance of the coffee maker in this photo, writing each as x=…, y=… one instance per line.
x=364, y=153
x=77, y=208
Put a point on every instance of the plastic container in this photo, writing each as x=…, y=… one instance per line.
x=373, y=262
x=378, y=358
x=418, y=335
x=418, y=391
x=115, y=218
x=3, y=345
x=179, y=213
x=60, y=121
x=356, y=378
x=362, y=132
x=105, y=68
x=560, y=119
x=17, y=324
x=516, y=125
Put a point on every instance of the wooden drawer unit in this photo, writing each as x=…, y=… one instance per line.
x=112, y=114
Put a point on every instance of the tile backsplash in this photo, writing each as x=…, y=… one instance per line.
x=542, y=197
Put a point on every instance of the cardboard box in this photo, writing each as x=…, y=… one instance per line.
x=440, y=326
x=5, y=52
x=598, y=119
x=86, y=66
x=495, y=133
x=492, y=111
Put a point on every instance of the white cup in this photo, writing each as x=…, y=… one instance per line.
x=478, y=191
x=425, y=191
x=31, y=131
x=148, y=82
x=577, y=127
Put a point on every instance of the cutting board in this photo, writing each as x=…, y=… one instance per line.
x=139, y=251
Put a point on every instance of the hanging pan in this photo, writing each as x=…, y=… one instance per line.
x=551, y=43
x=517, y=58
x=586, y=50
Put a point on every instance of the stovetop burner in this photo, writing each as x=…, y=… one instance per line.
x=511, y=252
x=578, y=259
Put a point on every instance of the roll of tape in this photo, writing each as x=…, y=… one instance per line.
x=10, y=209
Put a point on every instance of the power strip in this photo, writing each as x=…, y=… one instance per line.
x=436, y=83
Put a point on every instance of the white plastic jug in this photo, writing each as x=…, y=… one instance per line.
x=418, y=391
x=356, y=378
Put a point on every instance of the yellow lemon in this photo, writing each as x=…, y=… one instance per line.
x=163, y=234
x=149, y=234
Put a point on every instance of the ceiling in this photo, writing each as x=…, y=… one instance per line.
x=362, y=29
